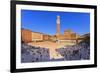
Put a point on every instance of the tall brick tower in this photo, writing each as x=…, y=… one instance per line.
x=58, y=25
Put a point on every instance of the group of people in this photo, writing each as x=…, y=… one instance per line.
x=76, y=52
x=37, y=54
x=33, y=54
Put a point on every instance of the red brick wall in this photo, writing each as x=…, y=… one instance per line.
x=26, y=35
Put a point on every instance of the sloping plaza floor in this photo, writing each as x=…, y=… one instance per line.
x=52, y=46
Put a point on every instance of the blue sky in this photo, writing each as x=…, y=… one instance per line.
x=45, y=21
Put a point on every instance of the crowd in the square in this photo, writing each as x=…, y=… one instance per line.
x=34, y=54
x=80, y=51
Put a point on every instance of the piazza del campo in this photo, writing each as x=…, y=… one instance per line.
x=52, y=43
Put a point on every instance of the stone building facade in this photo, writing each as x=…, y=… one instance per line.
x=26, y=35
x=29, y=36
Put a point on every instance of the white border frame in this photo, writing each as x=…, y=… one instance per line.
x=20, y=65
